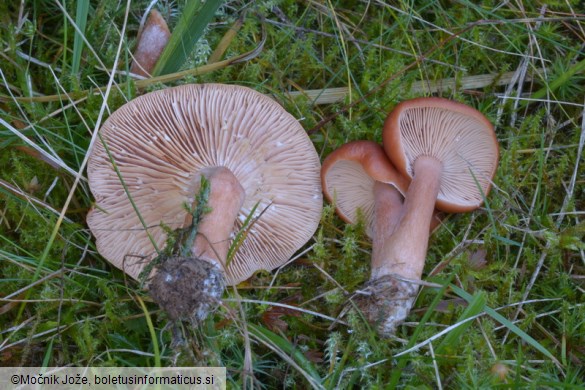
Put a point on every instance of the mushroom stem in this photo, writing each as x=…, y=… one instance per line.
x=226, y=197
x=400, y=249
x=190, y=286
x=406, y=250
x=387, y=207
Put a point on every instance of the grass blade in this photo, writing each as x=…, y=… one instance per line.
x=151, y=330
x=226, y=40
x=243, y=233
x=555, y=84
x=81, y=21
x=403, y=360
x=475, y=307
x=285, y=346
x=186, y=34
x=48, y=354
x=507, y=323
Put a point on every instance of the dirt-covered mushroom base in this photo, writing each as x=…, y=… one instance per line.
x=386, y=302
x=187, y=288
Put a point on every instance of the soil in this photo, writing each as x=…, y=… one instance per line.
x=187, y=288
x=386, y=302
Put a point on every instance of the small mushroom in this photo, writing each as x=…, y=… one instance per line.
x=451, y=153
x=147, y=171
x=152, y=40
x=359, y=177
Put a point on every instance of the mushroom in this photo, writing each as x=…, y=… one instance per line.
x=152, y=40
x=146, y=173
x=359, y=177
x=451, y=153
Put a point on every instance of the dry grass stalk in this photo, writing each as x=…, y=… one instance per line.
x=334, y=95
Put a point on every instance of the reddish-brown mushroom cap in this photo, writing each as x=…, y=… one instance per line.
x=163, y=141
x=348, y=175
x=458, y=136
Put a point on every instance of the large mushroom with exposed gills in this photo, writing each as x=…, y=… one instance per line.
x=146, y=172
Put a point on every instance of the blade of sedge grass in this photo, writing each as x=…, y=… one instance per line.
x=81, y=22
x=155, y=348
x=292, y=352
x=402, y=360
x=48, y=354
x=189, y=29
x=475, y=307
x=243, y=233
x=507, y=323
x=555, y=84
x=226, y=40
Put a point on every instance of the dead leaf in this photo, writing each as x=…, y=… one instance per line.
x=477, y=259
x=272, y=317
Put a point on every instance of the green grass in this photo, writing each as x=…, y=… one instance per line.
x=513, y=272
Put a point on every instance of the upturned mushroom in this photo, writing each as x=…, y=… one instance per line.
x=359, y=177
x=146, y=173
x=451, y=153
